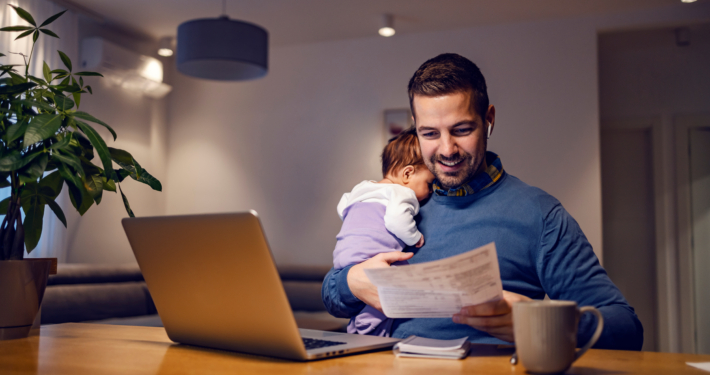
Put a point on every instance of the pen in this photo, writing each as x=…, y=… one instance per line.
x=514, y=359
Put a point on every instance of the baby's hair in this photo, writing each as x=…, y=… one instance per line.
x=401, y=151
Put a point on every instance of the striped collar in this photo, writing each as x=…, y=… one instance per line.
x=479, y=182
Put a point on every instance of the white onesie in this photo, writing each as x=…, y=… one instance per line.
x=401, y=206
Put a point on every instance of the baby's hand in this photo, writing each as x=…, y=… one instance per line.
x=421, y=242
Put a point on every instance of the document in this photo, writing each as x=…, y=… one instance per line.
x=701, y=365
x=439, y=289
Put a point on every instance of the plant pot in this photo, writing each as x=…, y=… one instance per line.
x=22, y=284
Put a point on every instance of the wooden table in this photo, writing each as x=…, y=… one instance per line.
x=104, y=349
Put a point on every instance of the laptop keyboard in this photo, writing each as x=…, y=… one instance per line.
x=315, y=343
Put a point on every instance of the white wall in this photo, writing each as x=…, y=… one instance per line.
x=98, y=237
x=645, y=78
x=141, y=125
x=290, y=144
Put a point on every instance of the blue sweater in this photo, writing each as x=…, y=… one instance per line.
x=541, y=250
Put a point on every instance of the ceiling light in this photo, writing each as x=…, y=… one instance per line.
x=165, y=47
x=222, y=49
x=387, y=28
x=688, y=1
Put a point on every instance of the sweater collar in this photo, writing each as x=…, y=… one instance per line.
x=479, y=181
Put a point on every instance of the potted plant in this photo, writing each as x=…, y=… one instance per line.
x=45, y=142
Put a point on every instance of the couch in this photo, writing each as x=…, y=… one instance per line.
x=118, y=294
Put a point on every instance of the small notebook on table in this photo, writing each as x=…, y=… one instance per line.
x=420, y=347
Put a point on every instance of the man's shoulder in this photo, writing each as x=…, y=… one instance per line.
x=517, y=192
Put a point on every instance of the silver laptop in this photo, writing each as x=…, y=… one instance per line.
x=215, y=285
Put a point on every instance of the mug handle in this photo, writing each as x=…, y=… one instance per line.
x=597, y=333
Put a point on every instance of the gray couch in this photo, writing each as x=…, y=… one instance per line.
x=119, y=295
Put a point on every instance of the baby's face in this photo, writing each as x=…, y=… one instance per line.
x=421, y=182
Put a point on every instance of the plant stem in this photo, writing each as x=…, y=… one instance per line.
x=29, y=59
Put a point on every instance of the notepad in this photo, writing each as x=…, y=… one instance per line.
x=421, y=347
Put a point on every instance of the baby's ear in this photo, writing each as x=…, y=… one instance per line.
x=408, y=173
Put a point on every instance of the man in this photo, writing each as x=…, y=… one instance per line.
x=541, y=248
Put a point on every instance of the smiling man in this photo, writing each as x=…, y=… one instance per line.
x=541, y=249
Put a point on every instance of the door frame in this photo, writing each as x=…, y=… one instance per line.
x=667, y=309
x=682, y=125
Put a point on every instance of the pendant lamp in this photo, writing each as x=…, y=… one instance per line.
x=222, y=49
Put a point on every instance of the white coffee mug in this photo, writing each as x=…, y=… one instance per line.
x=546, y=334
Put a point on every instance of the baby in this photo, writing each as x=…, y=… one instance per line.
x=379, y=216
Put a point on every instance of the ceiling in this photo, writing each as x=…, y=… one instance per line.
x=306, y=21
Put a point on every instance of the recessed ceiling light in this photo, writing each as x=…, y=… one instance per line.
x=165, y=48
x=688, y=1
x=387, y=28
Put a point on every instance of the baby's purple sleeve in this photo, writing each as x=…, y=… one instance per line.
x=363, y=235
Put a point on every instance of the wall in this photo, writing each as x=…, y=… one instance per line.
x=645, y=78
x=290, y=144
x=141, y=125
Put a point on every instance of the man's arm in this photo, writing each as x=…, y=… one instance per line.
x=337, y=298
x=346, y=291
x=568, y=270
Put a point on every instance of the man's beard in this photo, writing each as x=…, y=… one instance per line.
x=452, y=180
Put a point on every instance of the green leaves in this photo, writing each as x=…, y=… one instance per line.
x=54, y=182
x=46, y=72
x=4, y=206
x=65, y=60
x=26, y=33
x=88, y=117
x=63, y=103
x=70, y=160
x=41, y=130
x=88, y=74
x=14, y=160
x=50, y=33
x=125, y=203
x=52, y=19
x=25, y=15
x=42, y=127
x=27, y=30
x=32, y=103
x=35, y=169
x=57, y=211
x=100, y=147
x=17, y=130
x=14, y=89
x=17, y=28
x=95, y=186
x=34, y=197
x=129, y=164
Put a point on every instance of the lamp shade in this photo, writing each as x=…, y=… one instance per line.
x=222, y=49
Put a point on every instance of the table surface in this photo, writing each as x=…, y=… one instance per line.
x=105, y=349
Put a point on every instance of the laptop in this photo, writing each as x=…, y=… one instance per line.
x=214, y=284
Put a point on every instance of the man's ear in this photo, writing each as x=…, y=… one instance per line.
x=407, y=173
x=490, y=120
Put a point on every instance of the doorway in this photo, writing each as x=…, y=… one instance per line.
x=655, y=125
x=629, y=218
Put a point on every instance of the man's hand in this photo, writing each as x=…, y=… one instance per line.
x=360, y=285
x=494, y=318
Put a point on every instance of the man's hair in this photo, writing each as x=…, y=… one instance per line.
x=450, y=73
x=401, y=151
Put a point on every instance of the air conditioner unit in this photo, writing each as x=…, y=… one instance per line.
x=124, y=67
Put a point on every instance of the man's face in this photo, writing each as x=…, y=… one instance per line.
x=452, y=137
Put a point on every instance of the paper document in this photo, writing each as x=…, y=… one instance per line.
x=701, y=365
x=439, y=289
